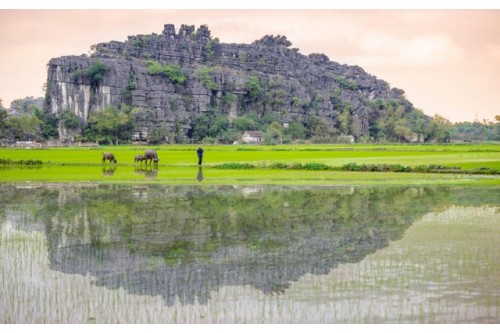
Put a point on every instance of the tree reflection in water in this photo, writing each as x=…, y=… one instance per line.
x=185, y=242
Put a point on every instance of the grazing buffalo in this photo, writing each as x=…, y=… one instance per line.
x=139, y=158
x=108, y=157
x=151, y=155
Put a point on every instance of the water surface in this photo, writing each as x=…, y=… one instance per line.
x=264, y=254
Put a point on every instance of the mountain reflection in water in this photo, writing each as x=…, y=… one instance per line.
x=184, y=242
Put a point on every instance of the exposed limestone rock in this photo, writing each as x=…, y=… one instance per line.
x=294, y=86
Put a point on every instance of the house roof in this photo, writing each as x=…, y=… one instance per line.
x=253, y=133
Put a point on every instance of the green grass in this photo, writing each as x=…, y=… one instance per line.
x=178, y=164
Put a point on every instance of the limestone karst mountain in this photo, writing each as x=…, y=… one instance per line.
x=172, y=77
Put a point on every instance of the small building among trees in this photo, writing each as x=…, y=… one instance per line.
x=252, y=137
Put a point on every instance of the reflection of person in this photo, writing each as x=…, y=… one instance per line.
x=200, y=155
x=199, y=176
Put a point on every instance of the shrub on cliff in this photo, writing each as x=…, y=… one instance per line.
x=172, y=72
x=204, y=74
x=94, y=73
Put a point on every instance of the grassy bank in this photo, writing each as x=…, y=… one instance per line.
x=178, y=164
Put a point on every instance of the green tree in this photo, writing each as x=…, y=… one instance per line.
x=218, y=125
x=3, y=121
x=438, y=129
x=159, y=134
x=109, y=125
x=200, y=127
x=26, y=105
x=209, y=124
x=23, y=127
x=254, y=88
x=345, y=120
x=48, y=123
x=267, y=119
x=394, y=125
x=315, y=126
x=416, y=121
x=70, y=120
x=244, y=123
x=476, y=131
x=273, y=134
x=296, y=131
x=229, y=136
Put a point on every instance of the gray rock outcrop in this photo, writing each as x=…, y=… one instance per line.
x=294, y=86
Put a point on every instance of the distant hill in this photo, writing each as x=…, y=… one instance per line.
x=178, y=77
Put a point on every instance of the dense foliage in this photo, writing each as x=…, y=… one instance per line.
x=109, y=126
x=476, y=131
x=27, y=121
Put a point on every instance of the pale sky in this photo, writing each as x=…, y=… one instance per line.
x=447, y=61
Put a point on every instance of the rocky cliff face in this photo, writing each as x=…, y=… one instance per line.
x=216, y=75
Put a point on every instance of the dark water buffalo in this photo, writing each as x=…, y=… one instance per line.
x=151, y=155
x=139, y=158
x=108, y=157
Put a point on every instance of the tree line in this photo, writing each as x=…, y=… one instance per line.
x=26, y=120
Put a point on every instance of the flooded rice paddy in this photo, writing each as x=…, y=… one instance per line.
x=94, y=253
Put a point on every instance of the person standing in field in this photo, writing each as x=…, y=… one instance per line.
x=200, y=155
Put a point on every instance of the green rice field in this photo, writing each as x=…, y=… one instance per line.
x=178, y=164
